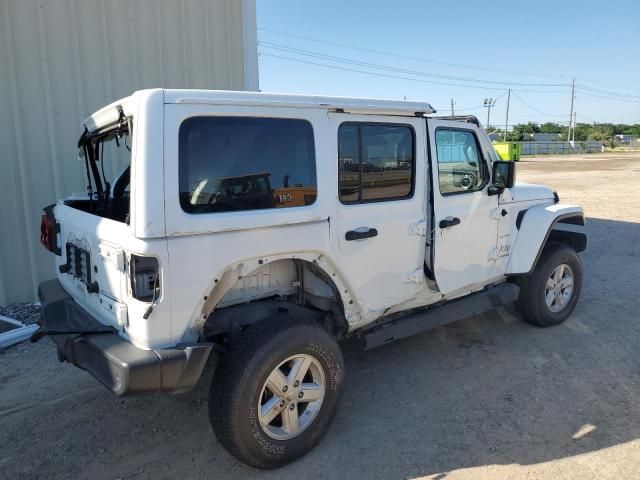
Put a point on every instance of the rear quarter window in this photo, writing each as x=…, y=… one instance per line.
x=231, y=164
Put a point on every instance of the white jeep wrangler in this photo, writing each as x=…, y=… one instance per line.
x=252, y=230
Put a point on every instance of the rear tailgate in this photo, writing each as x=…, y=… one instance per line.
x=92, y=264
x=102, y=285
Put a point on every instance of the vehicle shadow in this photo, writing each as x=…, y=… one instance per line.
x=488, y=390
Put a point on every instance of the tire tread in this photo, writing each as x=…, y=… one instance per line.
x=224, y=399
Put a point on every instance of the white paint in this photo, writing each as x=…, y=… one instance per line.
x=215, y=260
x=533, y=231
x=527, y=192
x=463, y=253
x=377, y=267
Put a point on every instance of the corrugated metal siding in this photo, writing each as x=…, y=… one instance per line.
x=60, y=60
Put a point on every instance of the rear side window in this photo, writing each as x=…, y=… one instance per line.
x=229, y=164
x=376, y=162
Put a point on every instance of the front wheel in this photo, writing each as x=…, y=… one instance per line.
x=550, y=293
x=276, y=391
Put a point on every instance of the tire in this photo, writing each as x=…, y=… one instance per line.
x=532, y=303
x=240, y=391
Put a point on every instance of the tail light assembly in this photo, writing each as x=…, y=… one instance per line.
x=145, y=280
x=49, y=231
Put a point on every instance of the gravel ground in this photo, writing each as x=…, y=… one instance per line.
x=488, y=397
x=26, y=313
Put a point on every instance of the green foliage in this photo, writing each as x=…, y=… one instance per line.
x=603, y=132
x=549, y=127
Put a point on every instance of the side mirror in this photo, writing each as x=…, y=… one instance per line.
x=503, y=175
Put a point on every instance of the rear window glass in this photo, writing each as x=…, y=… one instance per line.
x=239, y=163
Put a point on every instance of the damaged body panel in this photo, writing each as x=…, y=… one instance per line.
x=354, y=211
x=257, y=230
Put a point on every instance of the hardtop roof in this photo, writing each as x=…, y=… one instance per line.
x=350, y=104
x=109, y=114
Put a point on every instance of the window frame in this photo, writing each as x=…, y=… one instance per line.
x=481, y=158
x=413, y=163
x=252, y=117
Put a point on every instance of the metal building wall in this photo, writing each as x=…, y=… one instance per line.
x=60, y=60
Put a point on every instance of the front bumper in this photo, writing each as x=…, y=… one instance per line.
x=116, y=363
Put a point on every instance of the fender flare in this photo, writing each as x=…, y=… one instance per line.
x=564, y=223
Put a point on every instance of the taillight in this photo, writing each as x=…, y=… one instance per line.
x=46, y=233
x=49, y=232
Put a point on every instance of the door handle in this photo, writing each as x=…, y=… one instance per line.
x=360, y=233
x=449, y=222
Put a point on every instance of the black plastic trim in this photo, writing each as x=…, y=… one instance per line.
x=115, y=362
x=520, y=217
x=424, y=319
x=356, y=235
x=459, y=118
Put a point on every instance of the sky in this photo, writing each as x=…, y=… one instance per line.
x=466, y=50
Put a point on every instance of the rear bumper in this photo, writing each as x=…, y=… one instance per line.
x=119, y=365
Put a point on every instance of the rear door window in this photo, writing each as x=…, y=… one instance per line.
x=230, y=164
x=375, y=161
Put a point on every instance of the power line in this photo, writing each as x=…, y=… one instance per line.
x=336, y=67
x=422, y=59
x=409, y=74
x=377, y=74
x=619, y=99
x=466, y=109
x=543, y=91
x=587, y=118
x=534, y=108
x=351, y=61
x=608, y=92
x=409, y=57
x=607, y=84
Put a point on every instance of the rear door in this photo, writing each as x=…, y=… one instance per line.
x=381, y=178
x=465, y=223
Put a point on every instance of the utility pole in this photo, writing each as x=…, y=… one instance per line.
x=506, y=120
x=573, y=135
x=452, y=104
x=488, y=103
x=573, y=96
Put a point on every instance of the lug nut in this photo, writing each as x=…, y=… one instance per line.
x=300, y=395
x=292, y=406
x=282, y=402
x=296, y=383
x=285, y=388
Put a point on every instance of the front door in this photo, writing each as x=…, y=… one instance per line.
x=465, y=223
x=381, y=194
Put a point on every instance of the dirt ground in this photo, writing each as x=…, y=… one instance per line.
x=488, y=397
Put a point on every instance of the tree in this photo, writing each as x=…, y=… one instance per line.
x=550, y=127
x=582, y=132
x=601, y=132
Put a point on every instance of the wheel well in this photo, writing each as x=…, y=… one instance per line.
x=290, y=286
x=565, y=231
x=575, y=240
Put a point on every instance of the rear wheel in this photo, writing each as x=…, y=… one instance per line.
x=276, y=391
x=550, y=293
